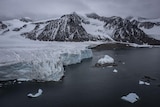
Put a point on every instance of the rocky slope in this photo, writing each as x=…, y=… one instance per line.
x=2, y=26
x=67, y=28
x=126, y=30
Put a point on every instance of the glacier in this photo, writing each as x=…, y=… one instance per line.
x=40, y=63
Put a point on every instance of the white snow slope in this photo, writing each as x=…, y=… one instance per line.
x=153, y=32
x=21, y=58
x=96, y=28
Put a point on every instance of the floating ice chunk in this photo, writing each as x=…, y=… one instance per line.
x=123, y=63
x=146, y=83
x=105, y=60
x=131, y=97
x=23, y=79
x=115, y=70
x=19, y=82
x=35, y=95
x=142, y=82
x=109, y=66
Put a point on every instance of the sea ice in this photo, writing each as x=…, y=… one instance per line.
x=143, y=83
x=35, y=95
x=131, y=97
x=115, y=70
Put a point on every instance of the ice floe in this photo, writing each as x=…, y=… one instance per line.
x=143, y=83
x=115, y=70
x=35, y=95
x=131, y=97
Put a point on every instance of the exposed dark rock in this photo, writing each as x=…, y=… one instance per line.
x=149, y=78
x=24, y=26
x=5, y=31
x=67, y=28
x=111, y=46
x=17, y=29
x=147, y=25
x=93, y=15
x=2, y=26
x=126, y=31
x=25, y=19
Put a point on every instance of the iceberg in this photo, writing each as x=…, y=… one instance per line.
x=106, y=59
x=131, y=97
x=115, y=70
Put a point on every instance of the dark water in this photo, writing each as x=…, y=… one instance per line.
x=87, y=86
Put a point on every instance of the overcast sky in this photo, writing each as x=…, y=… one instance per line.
x=41, y=9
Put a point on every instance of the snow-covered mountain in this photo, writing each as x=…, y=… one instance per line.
x=67, y=28
x=126, y=30
x=150, y=26
x=73, y=27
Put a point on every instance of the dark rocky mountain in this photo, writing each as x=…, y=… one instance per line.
x=25, y=19
x=127, y=31
x=143, y=22
x=67, y=28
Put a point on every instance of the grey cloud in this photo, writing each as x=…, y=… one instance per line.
x=54, y=8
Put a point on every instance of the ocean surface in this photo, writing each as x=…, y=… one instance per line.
x=85, y=85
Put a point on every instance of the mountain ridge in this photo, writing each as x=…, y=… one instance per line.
x=73, y=27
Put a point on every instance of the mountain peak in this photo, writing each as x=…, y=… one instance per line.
x=25, y=19
x=93, y=15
